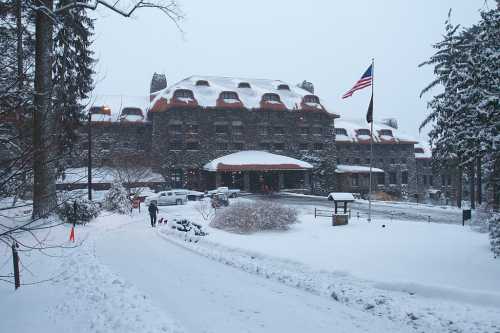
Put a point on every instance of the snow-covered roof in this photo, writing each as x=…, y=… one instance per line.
x=249, y=91
x=341, y=196
x=344, y=168
x=116, y=104
x=255, y=160
x=108, y=175
x=382, y=133
x=422, y=152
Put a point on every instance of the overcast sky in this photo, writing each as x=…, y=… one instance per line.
x=328, y=42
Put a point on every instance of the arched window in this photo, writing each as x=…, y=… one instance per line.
x=269, y=97
x=283, y=87
x=340, y=131
x=311, y=99
x=244, y=85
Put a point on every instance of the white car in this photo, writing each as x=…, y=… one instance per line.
x=231, y=193
x=172, y=197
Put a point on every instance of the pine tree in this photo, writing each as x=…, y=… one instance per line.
x=72, y=76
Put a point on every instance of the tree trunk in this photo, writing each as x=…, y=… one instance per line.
x=459, y=187
x=44, y=188
x=479, y=195
x=20, y=54
x=472, y=187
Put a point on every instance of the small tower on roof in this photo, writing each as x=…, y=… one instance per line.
x=158, y=82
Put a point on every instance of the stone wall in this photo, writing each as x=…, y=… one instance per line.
x=395, y=159
x=185, y=139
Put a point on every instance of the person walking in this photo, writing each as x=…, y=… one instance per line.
x=153, y=210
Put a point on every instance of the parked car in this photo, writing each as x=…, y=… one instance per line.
x=231, y=193
x=192, y=195
x=172, y=197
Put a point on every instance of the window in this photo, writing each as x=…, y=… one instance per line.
x=304, y=130
x=237, y=129
x=132, y=112
x=176, y=178
x=175, y=145
x=431, y=180
x=355, y=180
x=192, y=129
x=381, y=160
x=363, y=131
x=338, y=161
x=228, y=95
x=449, y=179
x=283, y=87
x=202, y=83
x=317, y=130
x=340, y=131
x=193, y=145
x=403, y=161
x=425, y=179
x=318, y=146
x=279, y=146
x=244, y=85
x=279, y=130
x=347, y=161
x=263, y=130
x=221, y=129
x=304, y=146
x=105, y=145
x=419, y=150
x=238, y=146
x=385, y=132
x=183, y=93
x=221, y=146
x=392, y=178
x=311, y=99
x=357, y=161
x=404, y=177
x=381, y=178
x=367, y=161
x=175, y=129
x=271, y=97
x=393, y=161
x=264, y=145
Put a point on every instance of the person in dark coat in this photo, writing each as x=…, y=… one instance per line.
x=153, y=210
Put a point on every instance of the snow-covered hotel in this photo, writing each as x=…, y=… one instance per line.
x=252, y=134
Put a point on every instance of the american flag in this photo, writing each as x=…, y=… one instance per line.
x=365, y=81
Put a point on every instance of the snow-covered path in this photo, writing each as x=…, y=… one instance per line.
x=207, y=296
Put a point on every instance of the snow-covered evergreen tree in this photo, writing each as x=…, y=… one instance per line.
x=72, y=75
x=117, y=199
x=494, y=226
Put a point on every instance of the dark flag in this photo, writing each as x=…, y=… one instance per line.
x=369, y=113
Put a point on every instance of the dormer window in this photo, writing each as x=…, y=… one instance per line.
x=419, y=150
x=202, y=83
x=363, y=131
x=340, y=131
x=132, y=112
x=229, y=95
x=269, y=97
x=283, y=87
x=183, y=93
x=100, y=110
x=311, y=99
x=244, y=85
x=385, y=132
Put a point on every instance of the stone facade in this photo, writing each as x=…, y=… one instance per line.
x=184, y=139
x=397, y=160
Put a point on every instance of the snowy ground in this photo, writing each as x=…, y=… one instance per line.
x=128, y=277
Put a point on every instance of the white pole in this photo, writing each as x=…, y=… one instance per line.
x=371, y=150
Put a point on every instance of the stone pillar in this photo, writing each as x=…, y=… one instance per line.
x=246, y=181
x=217, y=179
x=281, y=180
x=307, y=179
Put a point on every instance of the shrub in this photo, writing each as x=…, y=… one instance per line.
x=80, y=210
x=248, y=217
x=117, y=200
x=494, y=226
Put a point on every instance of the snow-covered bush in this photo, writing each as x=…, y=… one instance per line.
x=80, y=210
x=494, y=225
x=191, y=231
x=248, y=217
x=117, y=200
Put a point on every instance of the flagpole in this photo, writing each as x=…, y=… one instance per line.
x=371, y=150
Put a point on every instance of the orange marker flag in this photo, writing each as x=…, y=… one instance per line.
x=72, y=233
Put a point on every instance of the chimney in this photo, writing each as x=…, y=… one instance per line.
x=307, y=86
x=158, y=82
